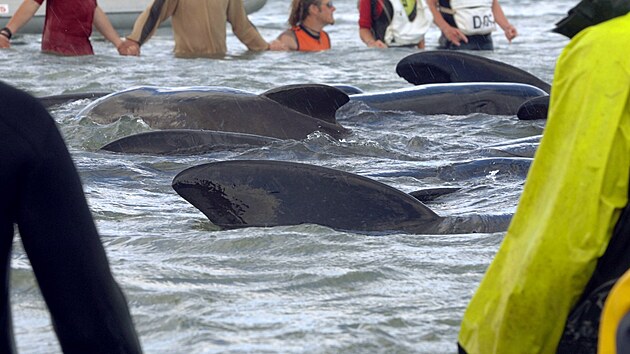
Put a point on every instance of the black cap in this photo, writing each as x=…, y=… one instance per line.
x=589, y=13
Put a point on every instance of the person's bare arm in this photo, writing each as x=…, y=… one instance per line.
x=104, y=26
x=22, y=15
x=502, y=21
x=368, y=38
x=451, y=33
x=285, y=41
x=365, y=25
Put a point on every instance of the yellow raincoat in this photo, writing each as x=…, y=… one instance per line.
x=572, y=199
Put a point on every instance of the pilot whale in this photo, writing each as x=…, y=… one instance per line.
x=496, y=166
x=535, y=108
x=523, y=147
x=185, y=142
x=53, y=100
x=294, y=111
x=257, y=193
x=287, y=112
x=497, y=98
x=444, y=66
x=195, y=117
x=447, y=66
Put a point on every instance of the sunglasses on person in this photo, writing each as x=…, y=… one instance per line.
x=329, y=5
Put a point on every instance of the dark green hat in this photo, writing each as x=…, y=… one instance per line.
x=589, y=13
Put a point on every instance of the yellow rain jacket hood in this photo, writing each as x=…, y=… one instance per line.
x=572, y=199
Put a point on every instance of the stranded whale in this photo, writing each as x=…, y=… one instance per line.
x=197, y=107
x=238, y=194
x=185, y=142
x=535, y=108
x=484, y=167
x=443, y=66
x=447, y=66
x=478, y=95
x=294, y=111
x=523, y=147
x=287, y=112
x=454, y=98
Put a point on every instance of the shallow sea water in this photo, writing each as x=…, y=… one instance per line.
x=296, y=289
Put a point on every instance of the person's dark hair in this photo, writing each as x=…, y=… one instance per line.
x=299, y=10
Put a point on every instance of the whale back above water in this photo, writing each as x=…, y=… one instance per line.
x=523, y=147
x=53, y=100
x=444, y=66
x=498, y=98
x=288, y=112
x=185, y=142
x=535, y=108
x=494, y=166
x=247, y=193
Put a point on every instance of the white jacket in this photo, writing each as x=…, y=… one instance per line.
x=401, y=31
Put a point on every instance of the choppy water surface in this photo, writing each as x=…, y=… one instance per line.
x=296, y=289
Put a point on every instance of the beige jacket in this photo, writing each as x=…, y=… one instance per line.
x=199, y=26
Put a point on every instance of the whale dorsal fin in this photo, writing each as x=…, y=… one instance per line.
x=255, y=193
x=318, y=101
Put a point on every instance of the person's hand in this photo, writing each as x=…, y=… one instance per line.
x=129, y=47
x=4, y=42
x=454, y=35
x=510, y=33
x=277, y=45
x=376, y=44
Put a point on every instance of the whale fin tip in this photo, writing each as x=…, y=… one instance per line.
x=315, y=100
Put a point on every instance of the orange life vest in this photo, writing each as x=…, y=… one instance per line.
x=306, y=42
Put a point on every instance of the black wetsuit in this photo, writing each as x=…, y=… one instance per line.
x=475, y=42
x=41, y=193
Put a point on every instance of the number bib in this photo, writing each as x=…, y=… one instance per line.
x=473, y=17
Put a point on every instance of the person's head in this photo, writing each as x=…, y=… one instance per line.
x=320, y=10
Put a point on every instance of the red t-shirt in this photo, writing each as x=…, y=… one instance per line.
x=68, y=26
x=365, y=12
